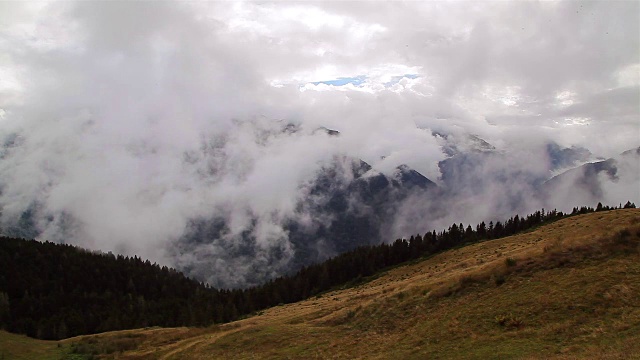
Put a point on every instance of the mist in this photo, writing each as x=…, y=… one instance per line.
x=130, y=126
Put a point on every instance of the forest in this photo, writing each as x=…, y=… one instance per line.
x=55, y=291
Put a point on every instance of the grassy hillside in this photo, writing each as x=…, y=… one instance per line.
x=20, y=347
x=566, y=290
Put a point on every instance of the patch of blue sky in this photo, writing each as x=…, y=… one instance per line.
x=396, y=79
x=342, y=81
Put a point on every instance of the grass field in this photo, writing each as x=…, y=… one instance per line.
x=568, y=290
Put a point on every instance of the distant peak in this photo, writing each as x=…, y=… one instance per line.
x=635, y=151
x=328, y=131
x=291, y=128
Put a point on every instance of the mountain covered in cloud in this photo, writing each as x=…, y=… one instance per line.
x=614, y=178
x=239, y=141
x=345, y=203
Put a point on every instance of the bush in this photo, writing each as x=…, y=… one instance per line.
x=623, y=236
x=509, y=321
x=510, y=262
x=554, y=246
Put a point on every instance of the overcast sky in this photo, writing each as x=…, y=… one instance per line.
x=113, y=110
x=571, y=67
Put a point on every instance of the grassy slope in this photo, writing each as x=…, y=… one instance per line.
x=20, y=347
x=572, y=293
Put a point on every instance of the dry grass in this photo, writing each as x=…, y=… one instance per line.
x=568, y=292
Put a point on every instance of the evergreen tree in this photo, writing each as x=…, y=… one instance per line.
x=4, y=309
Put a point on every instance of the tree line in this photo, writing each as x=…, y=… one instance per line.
x=55, y=291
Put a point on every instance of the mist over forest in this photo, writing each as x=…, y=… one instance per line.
x=240, y=141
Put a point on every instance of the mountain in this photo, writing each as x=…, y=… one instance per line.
x=563, y=158
x=601, y=181
x=477, y=173
x=472, y=163
x=458, y=143
x=348, y=204
x=343, y=202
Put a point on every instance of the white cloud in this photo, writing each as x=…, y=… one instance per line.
x=629, y=76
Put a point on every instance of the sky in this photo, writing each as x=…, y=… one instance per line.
x=122, y=121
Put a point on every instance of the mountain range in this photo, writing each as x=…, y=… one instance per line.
x=348, y=204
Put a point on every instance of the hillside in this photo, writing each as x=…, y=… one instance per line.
x=21, y=347
x=54, y=291
x=565, y=290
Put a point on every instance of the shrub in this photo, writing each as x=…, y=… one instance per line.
x=554, y=246
x=509, y=321
x=623, y=236
x=510, y=261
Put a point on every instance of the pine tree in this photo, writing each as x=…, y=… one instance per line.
x=4, y=309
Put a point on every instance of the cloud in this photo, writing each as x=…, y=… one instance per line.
x=126, y=123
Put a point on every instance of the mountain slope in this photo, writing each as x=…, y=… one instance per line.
x=348, y=204
x=566, y=290
x=606, y=181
